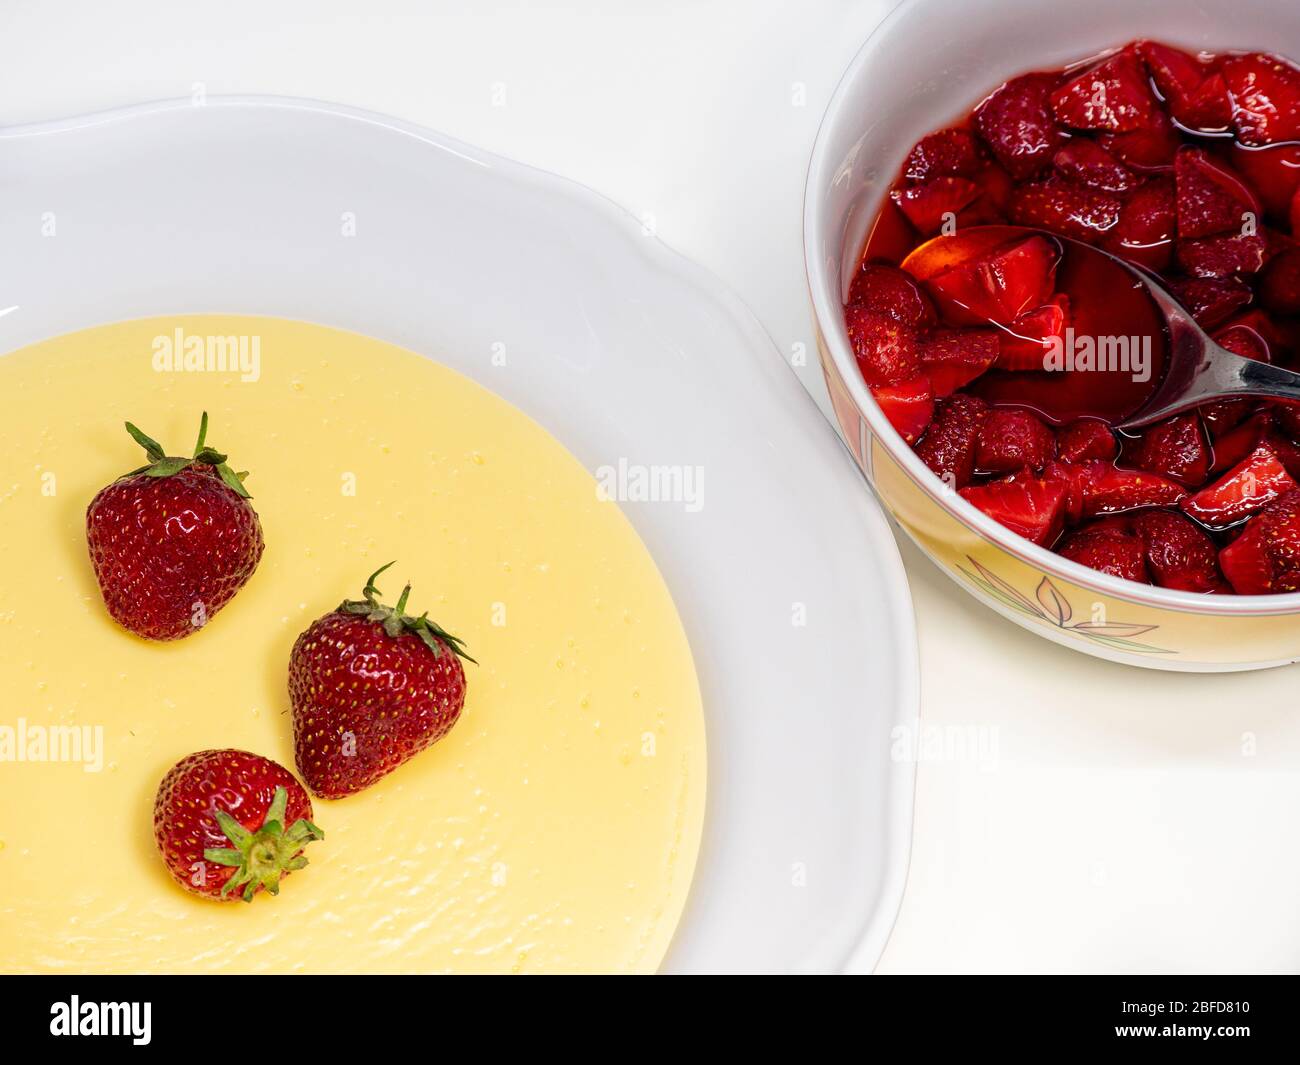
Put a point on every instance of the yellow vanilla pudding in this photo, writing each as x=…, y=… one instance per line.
x=556, y=826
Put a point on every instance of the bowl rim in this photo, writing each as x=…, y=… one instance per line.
x=829, y=319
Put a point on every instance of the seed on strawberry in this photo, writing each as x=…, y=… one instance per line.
x=227, y=820
x=370, y=688
x=173, y=541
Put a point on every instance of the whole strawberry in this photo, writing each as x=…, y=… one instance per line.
x=370, y=688
x=229, y=820
x=173, y=541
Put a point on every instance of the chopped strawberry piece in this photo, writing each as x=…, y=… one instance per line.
x=1100, y=488
x=908, y=406
x=1082, y=213
x=1087, y=438
x=1026, y=342
x=1150, y=148
x=948, y=446
x=1240, y=253
x=885, y=348
x=1179, y=555
x=1016, y=123
x=939, y=200
x=1286, y=450
x=1011, y=440
x=1029, y=506
x=1274, y=174
x=1279, y=284
x=890, y=291
x=1196, y=94
x=1265, y=558
x=1107, y=547
x=1211, y=300
x=1086, y=162
x=1114, y=95
x=1174, y=448
x=947, y=153
x=1145, y=231
x=1234, y=444
x=955, y=357
x=1244, y=490
x=998, y=286
x=1287, y=417
x=1252, y=335
x=1211, y=199
x=1265, y=98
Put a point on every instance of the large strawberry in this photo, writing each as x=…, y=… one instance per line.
x=173, y=541
x=370, y=687
x=226, y=820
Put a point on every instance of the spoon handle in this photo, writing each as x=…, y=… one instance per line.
x=1251, y=378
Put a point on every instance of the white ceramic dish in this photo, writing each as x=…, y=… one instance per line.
x=924, y=67
x=624, y=351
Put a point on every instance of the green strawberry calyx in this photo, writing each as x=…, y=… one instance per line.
x=163, y=465
x=396, y=621
x=263, y=856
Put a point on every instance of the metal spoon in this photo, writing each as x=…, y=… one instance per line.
x=1196, y=368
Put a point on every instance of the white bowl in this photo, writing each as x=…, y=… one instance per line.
x=926, y=66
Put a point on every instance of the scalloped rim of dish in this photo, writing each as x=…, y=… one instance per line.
x=879, y=925
x=831, y=319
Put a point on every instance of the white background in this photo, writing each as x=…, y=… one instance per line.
x=1121, y=819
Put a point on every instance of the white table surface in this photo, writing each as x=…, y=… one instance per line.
x=1118, y=819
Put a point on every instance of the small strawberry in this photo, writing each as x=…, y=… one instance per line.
x=173, y=541
x=908, y=406
x=1017, y=124
x=1247, y=488
x=949, y=444
x=1011, y=440
x=370, y=687
x=884, y=289
x=1077, y=211
x=1109, y=547
x=955, y=357
x=1114, y=95
x=1029, y=506
x=884, y=346
x=947, y=153
x=225, y=820
x=929, y=205
x=1145, y=233
x=1087, y=438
